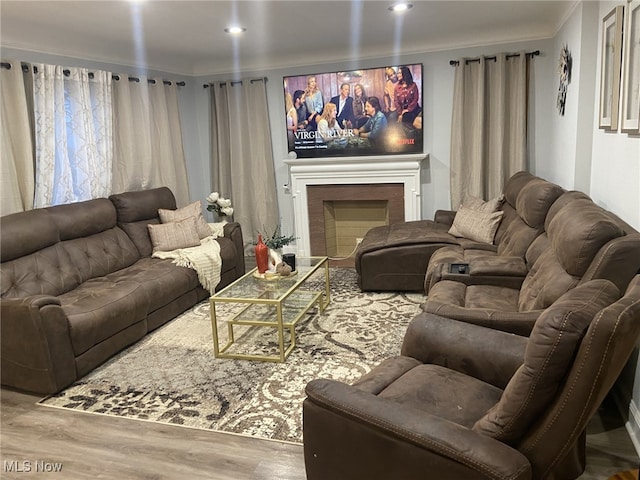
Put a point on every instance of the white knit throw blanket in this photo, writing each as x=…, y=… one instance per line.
x=205, y=259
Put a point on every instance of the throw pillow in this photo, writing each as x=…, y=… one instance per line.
x=475, y=225
x=170, y=236
x=192, y=210
x=476, y=203
x=549, y=354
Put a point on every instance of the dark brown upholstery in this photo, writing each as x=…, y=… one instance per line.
x=396, y=257
x=468, y=402
x=78, y=285
x=582, y=242
x=527, y=199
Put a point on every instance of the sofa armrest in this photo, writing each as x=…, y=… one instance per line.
x=498, y=273
x=484, y=353
x=233, y=231
x=352, y=434
x=36, y=350
x=444, y=216
x=496, y=265
x=520, y=323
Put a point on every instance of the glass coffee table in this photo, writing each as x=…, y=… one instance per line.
x=275, y=302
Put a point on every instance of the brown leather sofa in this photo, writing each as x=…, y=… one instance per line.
x=79, y=285
x=581, y=242
x=396, y=257
x=464, y=401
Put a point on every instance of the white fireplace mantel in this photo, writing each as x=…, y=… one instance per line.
x=351, y=171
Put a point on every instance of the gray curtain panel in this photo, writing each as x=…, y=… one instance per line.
x=489, y=125
x=16, y=146
x=148, y=150
x=241, y=154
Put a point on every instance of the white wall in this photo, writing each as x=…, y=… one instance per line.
x=615, y=184
x=438, y=78
x=605, y=165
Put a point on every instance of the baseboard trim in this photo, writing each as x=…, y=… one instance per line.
x=631, y=414
x=633, y=426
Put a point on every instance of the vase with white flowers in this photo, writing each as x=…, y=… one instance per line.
x=220, y=206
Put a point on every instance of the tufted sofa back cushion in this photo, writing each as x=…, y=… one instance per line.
x=136, y=210
x=564, y=199
x=531, y=207
x=535, y=200
x=578, y=231
x=582, y=243
x=52, y=250
x=514, y=185
x=75, y=220
x=26, y=232
x=512, y=188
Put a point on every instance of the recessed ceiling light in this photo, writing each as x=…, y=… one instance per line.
x=235, y=30
x=400, y=7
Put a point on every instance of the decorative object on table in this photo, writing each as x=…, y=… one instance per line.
x=631, y=85
x=610, y=69
x=564, y=70
x=220, y=206
x=290, y=259
x=262, y=255
x=275, y=241
x=283, y=269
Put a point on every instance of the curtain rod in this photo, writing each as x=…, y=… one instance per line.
x=25, y=68
x=237, y=82
x=454, y=63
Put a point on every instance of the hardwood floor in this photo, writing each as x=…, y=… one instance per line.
x=99, y=447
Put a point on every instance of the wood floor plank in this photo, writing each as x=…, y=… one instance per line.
x=97, y=446
x=104, y=447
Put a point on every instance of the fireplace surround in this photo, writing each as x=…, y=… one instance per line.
x=346, y=175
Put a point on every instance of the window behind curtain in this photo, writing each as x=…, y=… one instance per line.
x=74, y=134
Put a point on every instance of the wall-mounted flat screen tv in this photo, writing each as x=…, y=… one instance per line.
x=374, y=111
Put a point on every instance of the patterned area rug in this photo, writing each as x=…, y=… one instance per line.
x=172, y=376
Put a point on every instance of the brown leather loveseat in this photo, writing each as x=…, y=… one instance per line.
x=79, y=285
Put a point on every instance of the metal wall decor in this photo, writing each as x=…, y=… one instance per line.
x=564, y=70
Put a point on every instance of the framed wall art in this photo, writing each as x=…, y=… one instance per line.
x=631, y=83
x=610, y=68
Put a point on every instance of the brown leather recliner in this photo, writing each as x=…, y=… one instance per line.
x=468, y=402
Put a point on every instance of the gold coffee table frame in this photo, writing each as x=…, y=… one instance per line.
x=283, y=294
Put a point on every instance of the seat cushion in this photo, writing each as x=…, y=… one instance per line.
x=162, y=281
x=444, y=393
x=550, y=351
x=100, y=308
x=488, y=297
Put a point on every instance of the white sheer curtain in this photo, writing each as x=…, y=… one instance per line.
x=148, y=150
x=73, y=122
x=16, y=146
x=489, y=125
x=241, y=155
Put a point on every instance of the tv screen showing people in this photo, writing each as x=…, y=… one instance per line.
x=375, y=111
